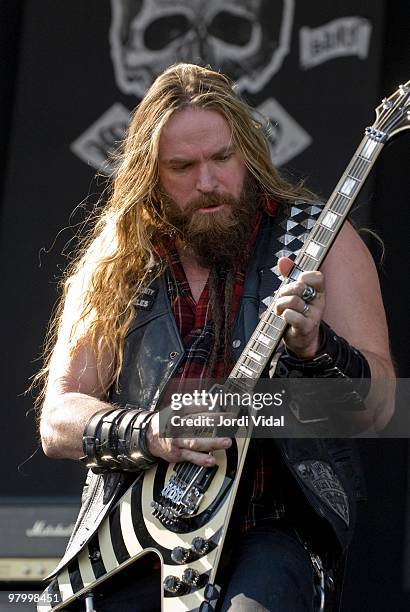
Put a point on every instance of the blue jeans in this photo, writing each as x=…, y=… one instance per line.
x=270, y=571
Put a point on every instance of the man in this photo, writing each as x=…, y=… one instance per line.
x=164, y=282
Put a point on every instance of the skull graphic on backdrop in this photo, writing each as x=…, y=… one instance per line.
x=246, y=39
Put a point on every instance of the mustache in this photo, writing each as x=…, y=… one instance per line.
x=209, y=200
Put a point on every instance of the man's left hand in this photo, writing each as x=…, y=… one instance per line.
x=303, y=318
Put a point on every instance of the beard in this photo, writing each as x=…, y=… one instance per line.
x=216, y=239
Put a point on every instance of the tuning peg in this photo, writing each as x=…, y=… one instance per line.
x=387, y=103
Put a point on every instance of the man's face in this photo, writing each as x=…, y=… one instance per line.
x=199, y=163
x=207, y=193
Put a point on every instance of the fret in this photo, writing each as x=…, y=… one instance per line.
x=338, y=205
x=316, y=240
x=308, y=262
x=322, y=234
x=260, y=349
x=295, y=272
x=265, y=339
x=248, y=373
x=348, y=187
x=248, y=362
x=353, y=178
x=313, y=249
x=330, y=219
x=255, y=356
x=363, y=158
x=260, y=352
x=349, y=175
x=344, y=195
x=369, y=148
x=280, y=323
x=359, y=167
x=255, y=368
x=264, y=326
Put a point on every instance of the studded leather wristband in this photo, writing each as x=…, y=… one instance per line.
x=108, y=435
x=92, y=441
x=134, y=450
x=336, y=359
x=115, y=440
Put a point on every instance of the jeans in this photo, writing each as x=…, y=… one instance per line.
x=271, y=571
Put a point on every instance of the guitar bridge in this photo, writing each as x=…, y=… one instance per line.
x=183, y=493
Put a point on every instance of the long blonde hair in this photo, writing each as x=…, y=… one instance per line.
x=119, y=253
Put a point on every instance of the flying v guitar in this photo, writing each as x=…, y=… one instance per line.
x=181, y=511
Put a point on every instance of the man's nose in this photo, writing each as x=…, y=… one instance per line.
x=206, y=179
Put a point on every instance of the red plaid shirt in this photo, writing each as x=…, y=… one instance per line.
x=194, y=323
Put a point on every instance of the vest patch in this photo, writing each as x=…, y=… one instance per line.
x=146, y=299
x=322, y=480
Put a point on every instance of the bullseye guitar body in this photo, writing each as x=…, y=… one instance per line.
x=188, y=547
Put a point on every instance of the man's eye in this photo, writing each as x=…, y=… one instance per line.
x=181, y=167
x=224, y=157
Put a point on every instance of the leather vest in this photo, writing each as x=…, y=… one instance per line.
x=327, y=471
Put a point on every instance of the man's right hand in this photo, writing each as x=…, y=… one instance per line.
x=194, y=450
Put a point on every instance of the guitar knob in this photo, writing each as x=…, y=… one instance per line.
x=211, y=592
x=174, y=585
x=190, y=577
x=199, y=545
x=180, y=555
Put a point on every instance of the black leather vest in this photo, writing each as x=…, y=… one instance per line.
x=327, y=471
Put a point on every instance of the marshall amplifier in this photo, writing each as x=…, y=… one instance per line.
x=33, y=537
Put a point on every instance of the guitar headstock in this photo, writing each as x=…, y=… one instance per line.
x=393, y=114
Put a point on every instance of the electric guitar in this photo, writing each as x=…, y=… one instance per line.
x=181, y=511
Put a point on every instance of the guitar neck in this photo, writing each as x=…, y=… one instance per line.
x=271, y=327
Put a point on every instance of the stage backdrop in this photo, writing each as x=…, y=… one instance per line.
x=312, y=71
